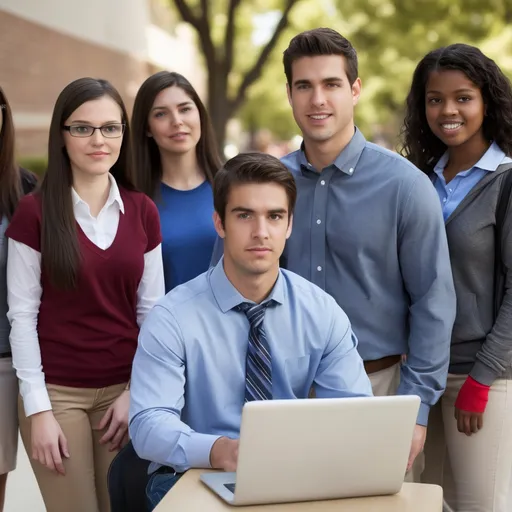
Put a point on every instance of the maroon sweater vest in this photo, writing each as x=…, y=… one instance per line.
x=88, y=335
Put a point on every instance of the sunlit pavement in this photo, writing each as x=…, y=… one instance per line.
x=22, y=492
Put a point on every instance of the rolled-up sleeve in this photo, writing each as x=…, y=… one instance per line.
x=157, y=398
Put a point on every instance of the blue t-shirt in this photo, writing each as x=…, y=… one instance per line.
x=188, y=234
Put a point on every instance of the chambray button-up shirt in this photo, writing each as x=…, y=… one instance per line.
x=369, y=230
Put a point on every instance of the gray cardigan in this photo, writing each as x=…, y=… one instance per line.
x=481, y=346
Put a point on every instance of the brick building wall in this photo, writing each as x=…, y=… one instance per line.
x=36, y=63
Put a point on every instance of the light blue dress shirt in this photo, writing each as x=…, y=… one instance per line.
x=452, y=194
x=188, y=379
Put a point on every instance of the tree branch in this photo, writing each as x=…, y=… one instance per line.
x=186, y=13
x=253, y=74
x=205, y=11
x=230, y=35
x=202, y=27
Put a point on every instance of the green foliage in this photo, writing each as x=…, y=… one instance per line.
x=35, y=164
x=267, y=105
x=391, y=36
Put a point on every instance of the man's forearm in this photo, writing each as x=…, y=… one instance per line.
x=159, y=436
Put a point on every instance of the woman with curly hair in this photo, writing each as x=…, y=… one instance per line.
x=458, y=130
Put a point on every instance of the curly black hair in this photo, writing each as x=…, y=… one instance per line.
x=419, y=144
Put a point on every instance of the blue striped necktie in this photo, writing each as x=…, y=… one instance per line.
x=258, y=370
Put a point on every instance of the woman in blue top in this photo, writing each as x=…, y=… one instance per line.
x=458, y=129
x=176, y=159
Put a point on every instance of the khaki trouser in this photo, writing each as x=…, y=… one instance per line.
x=474, y=471
x=385, y=383
x=84, y=486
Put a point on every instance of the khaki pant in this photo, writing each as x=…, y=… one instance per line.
x=474, y=471
x=385, y=383
x=84, y=486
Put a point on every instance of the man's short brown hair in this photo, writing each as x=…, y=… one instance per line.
x=252, y=168
x=320, y=41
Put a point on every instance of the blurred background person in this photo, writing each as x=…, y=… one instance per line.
x=14, y=182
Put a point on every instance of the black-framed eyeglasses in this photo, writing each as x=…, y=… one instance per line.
x=110, y=131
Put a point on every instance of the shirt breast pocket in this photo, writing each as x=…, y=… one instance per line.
x=298, y=375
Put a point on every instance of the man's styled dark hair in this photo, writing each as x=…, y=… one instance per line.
x=320, y=41
x=251, y=168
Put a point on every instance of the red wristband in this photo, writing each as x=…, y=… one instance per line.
x=472, y=396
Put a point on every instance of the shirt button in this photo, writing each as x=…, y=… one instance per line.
x=350, y=171
x=319, y=268
x=322, y=182
x=319, y=221
x=450, y=190
x=444, y=200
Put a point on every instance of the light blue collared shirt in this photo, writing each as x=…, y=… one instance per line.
x=452, y=194
x=188, y=378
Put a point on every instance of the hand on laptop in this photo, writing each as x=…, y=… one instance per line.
x=224, y=454
x=418, y=442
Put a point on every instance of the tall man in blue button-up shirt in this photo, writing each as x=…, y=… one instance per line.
x=189, y=376
x=368, y=229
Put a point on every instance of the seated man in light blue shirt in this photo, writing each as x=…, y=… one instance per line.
x=244, y=330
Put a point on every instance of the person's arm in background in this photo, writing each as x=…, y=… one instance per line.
x=341, y=371
x=495, y=355
x=152, y=286
x=426, y=270
x=157, y=397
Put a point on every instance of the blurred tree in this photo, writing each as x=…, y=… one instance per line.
x=242, y=42
x=391, y=36
x=226, y=32
x=267, y=103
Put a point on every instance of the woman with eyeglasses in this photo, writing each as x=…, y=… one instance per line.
x=176, y=158
x=14, y=182
x=84, y=268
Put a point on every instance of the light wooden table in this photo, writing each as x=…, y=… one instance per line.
x=191, y=495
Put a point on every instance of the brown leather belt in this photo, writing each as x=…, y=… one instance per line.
x=383, y=363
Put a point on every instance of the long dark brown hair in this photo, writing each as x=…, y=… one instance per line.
x=147, y=162
x=10, y=183
x=60, y=253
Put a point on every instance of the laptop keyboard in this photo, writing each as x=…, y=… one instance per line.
x=230, y=487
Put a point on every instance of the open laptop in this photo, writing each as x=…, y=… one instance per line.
x=316, y=449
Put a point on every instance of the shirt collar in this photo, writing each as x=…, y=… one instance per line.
x=113, y=196
x=228, y=297
x=347, y=160
x=490, y=160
